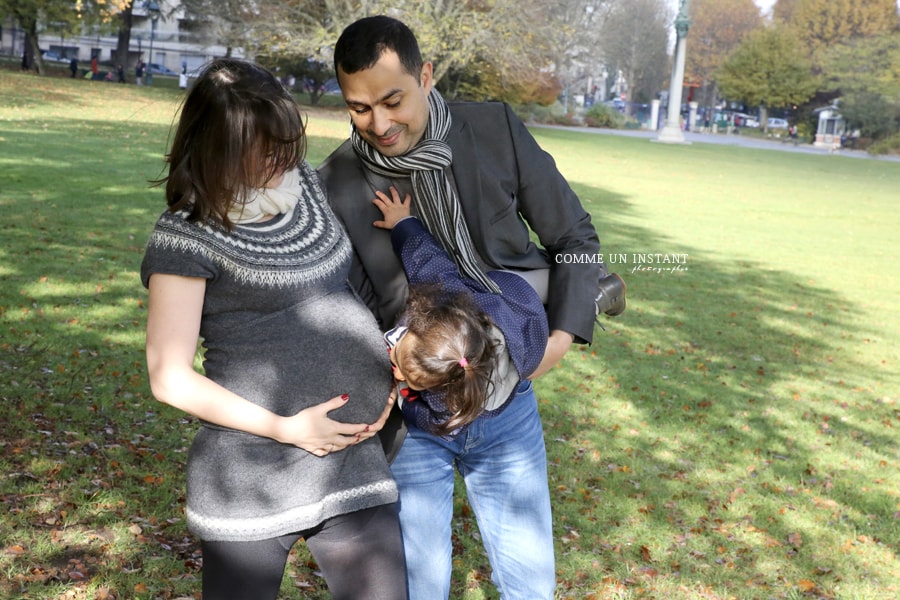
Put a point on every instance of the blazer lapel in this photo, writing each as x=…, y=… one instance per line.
x=467, y=179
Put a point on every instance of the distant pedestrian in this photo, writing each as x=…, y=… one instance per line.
x=139, y=72
x=120, y=70
x=95, y=66
x=73, y=66
x=792, y=133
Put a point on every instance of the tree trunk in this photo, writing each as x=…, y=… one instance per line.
x=32, y=58
x=124, y=40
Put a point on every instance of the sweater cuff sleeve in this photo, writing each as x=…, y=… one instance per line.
x=405, y=228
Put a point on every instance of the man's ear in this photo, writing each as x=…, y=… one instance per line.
x=426, y=77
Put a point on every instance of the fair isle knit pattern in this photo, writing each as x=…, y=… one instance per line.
x=264, y=526
x=312, y=246
x=281, y=328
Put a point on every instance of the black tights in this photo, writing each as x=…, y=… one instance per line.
x=359, y=554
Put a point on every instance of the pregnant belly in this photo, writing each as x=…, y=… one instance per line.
x=304, y=355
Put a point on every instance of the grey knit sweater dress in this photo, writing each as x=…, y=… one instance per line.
x=282, y=328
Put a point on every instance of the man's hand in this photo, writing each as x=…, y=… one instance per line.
x=557, y=346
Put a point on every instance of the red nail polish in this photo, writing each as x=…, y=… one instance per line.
x=345, y=397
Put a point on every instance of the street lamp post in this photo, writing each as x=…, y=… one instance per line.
x=153, y=9
x=671, y=133
x=604, y=89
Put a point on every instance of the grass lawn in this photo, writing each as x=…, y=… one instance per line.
x=733, y=435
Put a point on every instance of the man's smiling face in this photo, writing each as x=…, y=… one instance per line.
x=388, y=106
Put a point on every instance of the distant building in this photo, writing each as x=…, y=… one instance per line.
x=179, y=42
x=831, y=127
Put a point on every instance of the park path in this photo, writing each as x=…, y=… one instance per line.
x=731, y=140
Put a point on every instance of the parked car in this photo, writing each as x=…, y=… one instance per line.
x=742, y=120
x=776, y=123
x=158, y=69
x=617, y=103
x=51, y=56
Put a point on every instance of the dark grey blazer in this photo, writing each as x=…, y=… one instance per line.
x=506, y=185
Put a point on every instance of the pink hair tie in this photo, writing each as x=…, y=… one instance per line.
x=463, y=362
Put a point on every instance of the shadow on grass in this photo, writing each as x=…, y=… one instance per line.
x=93, y=467
x=720, y=417
x=93, y=462
x=719, y=407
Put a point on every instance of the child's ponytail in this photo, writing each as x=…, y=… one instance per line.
x=455, y=353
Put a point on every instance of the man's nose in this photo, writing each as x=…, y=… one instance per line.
x=381, y=122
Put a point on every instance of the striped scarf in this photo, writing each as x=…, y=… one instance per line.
x=435, y=196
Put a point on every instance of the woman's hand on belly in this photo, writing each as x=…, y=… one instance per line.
x=314, y=431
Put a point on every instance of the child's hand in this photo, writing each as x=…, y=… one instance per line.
x=392, y=208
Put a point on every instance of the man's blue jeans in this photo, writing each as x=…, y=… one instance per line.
x=503, y=462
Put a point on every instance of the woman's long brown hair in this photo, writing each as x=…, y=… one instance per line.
x=238, y=127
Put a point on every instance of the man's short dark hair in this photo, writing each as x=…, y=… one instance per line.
x=363, y=42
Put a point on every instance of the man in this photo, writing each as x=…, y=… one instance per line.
x=478, y=181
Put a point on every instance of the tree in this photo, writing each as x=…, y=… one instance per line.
x=767, y=70
x=37, y=16
x=513, y=59
x=872, y=114
x=865, y=74
x=634, y=39
x=822, y=23
x=717, y=28
x=481, y=80
x=34, y=16
x=518, y=48
x=28, y=14
x=229, y=23
x=502, y=35
x=298, y=36
x=865, y=64
x=783, y=11
x=571, y=32
x=124, y=32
